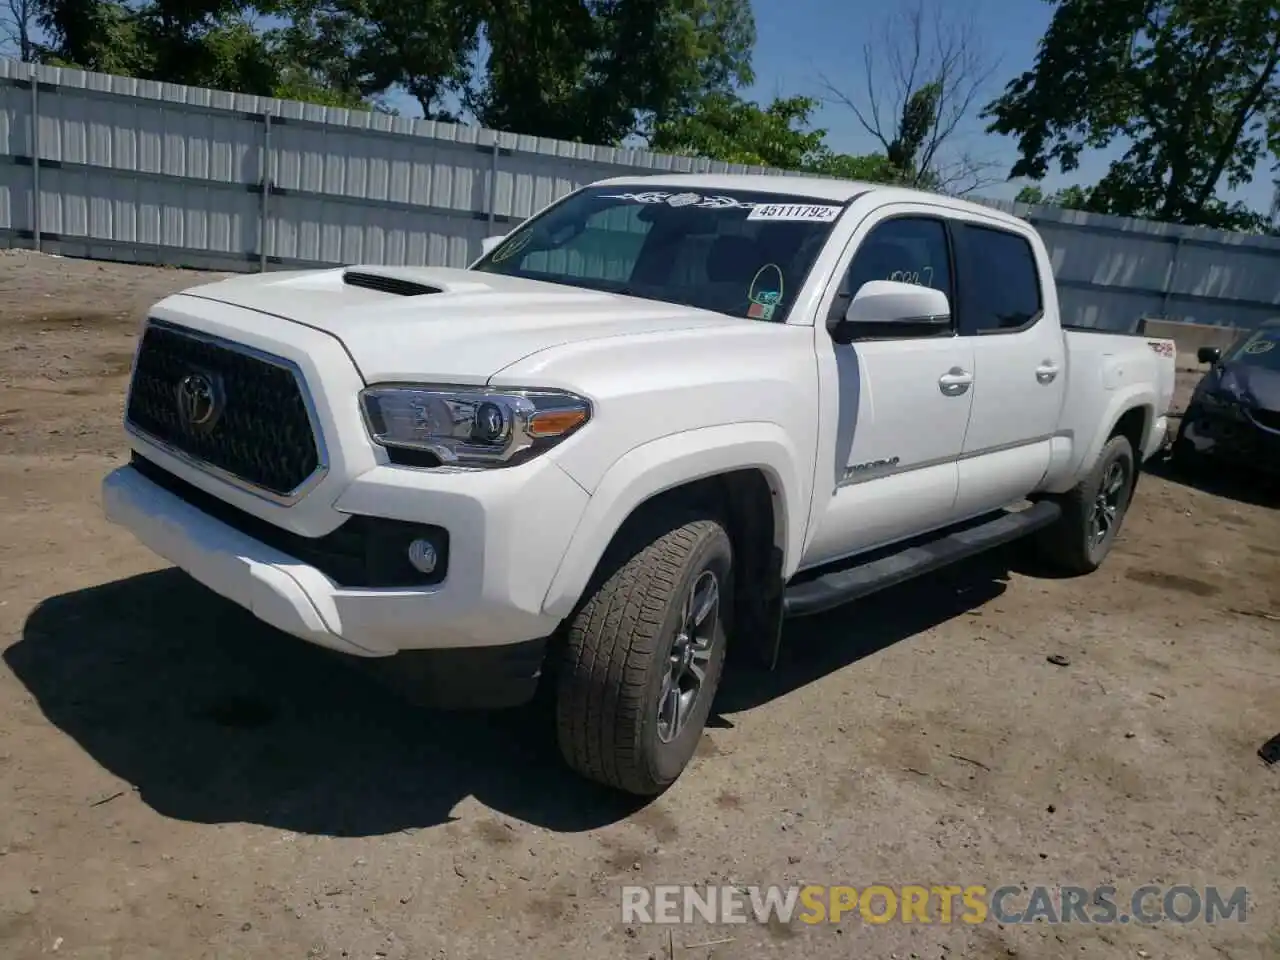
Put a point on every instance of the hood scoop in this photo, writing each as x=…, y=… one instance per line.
x=397, y=286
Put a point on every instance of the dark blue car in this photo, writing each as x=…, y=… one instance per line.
x=1234, y=413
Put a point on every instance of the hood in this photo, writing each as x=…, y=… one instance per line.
x=1256, y=385
x=447, y=325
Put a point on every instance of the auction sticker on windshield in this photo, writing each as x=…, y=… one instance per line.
x=813, y=213
x=1260, y=346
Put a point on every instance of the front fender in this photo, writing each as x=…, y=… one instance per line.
x=669, y=462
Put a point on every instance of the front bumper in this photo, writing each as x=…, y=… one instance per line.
x=1235, y=439
x=502, y=556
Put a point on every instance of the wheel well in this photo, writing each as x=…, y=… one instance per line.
x=744, y=502
x=1133, y=427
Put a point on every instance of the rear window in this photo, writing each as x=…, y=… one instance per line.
x=1001, y=283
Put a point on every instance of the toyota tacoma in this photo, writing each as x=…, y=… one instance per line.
x=659, y=417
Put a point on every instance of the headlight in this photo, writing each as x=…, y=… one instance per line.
x=472, y=426
x=1222, y=403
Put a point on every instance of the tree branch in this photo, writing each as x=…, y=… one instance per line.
x=928, y=62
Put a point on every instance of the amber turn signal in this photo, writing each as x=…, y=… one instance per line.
x=555, y=423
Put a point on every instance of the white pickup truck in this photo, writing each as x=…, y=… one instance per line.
x=647, y=425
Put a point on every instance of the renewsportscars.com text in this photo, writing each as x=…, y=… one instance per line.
x=944, y=904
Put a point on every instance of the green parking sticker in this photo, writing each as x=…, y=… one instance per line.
x=765, y=293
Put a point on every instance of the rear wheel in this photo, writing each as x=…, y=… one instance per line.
x=1092, y=513
x=643, y=658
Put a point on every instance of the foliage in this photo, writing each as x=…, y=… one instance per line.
x=1074, y=197
x=603, y=70
x=210, y=43
x=739, y=131
x=727, y=128
x=361, y=48
x=1189, y=85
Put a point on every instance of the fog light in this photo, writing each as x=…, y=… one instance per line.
x=422, y=554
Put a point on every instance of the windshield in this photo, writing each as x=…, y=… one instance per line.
x=1260, y=349
x=741, y=253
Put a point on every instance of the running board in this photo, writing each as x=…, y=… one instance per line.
x=839, y=587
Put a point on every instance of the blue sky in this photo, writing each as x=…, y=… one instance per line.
x=797, y=47
x=799, y=42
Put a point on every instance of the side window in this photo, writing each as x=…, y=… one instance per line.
x=906, y=249
x=1000, y=283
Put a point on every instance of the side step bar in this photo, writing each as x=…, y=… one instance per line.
x=839, y=587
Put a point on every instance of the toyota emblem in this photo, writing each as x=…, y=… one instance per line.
x=199, y=401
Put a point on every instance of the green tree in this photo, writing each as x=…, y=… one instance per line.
x=339, y=52
x=1074, y=197
x=779, y=135
x=1189, y=85
x=362, y=48
x=869, y=167
x=210, y=43
x=604, y=70
x=740, y=131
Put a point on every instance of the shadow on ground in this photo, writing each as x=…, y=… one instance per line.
x=814, y=647
x=214, y=717
x=1220, y=479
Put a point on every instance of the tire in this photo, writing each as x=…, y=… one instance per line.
x=1071, y=546
x=620, y=647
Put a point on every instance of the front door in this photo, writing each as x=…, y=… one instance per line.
x=903, y=403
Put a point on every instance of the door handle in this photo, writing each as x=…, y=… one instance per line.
x=1046, y=372
x=955, y=382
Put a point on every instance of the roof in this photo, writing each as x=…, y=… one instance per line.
x=817, y=188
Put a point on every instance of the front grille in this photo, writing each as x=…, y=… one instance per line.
x=1266, y=418
x=260, y=431
x=362, y=552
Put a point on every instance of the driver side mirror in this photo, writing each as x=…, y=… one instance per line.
x=888, y=308
x=1209, y=355
x=488, y=243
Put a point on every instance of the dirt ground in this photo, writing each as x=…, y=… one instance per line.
x=179, y=781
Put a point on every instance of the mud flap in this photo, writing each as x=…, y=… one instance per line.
x=765, y=634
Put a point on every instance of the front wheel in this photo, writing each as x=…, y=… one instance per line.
x=1092, y=513
x=643, y=659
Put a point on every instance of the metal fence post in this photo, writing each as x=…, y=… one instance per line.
x=35, y=156
x=1170, y=276
x=266, y=193
x=493, y=182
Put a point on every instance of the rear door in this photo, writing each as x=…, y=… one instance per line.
x=1007, y=311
